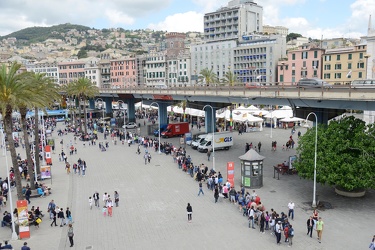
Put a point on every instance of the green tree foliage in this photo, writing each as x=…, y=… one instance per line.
x=292, y=36
x=207, y=76
x=345, y=154
x=230, y=79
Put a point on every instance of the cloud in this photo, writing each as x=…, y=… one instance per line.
x=181, y=22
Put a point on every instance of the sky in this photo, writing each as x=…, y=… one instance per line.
x=311, y=18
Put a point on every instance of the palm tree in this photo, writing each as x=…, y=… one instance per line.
x=84, y=89
x=183, y=105
x=207, y=76
x=44, y=94
x=13, y=91
x=230, y=79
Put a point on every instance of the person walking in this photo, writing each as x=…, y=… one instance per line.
x=216, y=194
x=117, y=198
x=27, y=195
x=96, y=199
x=310, y=226
x=71, y=235
x=291, y=209
x=372, y=244
x=319, y=229
x=208, y=154
x=189, y=210
x=25, y=247
x=291, y=235
x=109, y=206
x=68, y=215
x=145, y=157
x=61, y=216
x=54, y=214
x=278, y=230
x=90, y=202
x=200, y=188
x=51, y=207
x=259, y=146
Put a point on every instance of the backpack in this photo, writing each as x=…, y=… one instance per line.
x=291, y=232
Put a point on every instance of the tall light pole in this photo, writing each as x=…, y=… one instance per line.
x=101, y=100
x=14, y=234
x=213, y=135
x=157, y=104
x=120, y=101
x=315, y=153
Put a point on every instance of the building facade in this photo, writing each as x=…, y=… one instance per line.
x=123, y=72
x=49, y=68
x=71, y=71
x=240, y=17
x=155, y=70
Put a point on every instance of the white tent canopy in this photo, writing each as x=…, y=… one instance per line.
x=280, y=113
x=291, y=119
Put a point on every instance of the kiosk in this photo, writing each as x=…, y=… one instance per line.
x=252, y=169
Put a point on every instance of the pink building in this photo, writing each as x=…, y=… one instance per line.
x=303, y=62
x=70, y=71
x=123, y=72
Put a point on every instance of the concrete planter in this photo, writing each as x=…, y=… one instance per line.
x=350, y=194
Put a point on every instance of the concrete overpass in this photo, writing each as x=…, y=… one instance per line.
x=326, y=102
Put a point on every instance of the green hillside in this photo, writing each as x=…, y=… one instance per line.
x=40, y=34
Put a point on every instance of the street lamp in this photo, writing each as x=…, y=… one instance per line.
x=213, y=135
x=283, y=65
x=14, y=234
x=366, y=57
x=119, y=102
x=316, y=147
x=157, y=104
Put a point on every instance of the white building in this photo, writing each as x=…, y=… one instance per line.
x=47, y=67
x=93, y=70
x=240, y=17
x=255, y=59
x=155, y=69
x=217, y=56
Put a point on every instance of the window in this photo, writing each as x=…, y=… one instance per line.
x=327, y=76
x=293, y=72
x=350, y=56
x=304, y=55
x=327, y=58
x=337, y=75
x=293, y=56
x=360, y=65
x=337, y=57
x=338, y=66
x=359, y=74
x=315, y=54
x=349, y=65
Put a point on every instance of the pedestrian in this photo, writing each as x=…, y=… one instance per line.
x=51, y=207
x=189, y=210
x=372, y=244
x=25, y=247
x=208, y=154
x=315, y=216
x=90, y=202
x=71, y=235
x=291, y=235
x=104, y=210
x=262, y=222
x=105, y=198
x=291, y=209
x=27, y=195
x=117, y=198
x=216, y=194
x=54, y=218
x=109, y=206
x=61, y=216
x=145, y=157
x=96, y=199
x=200, y=188
x=251, y=217
x=310, y=225
x=259, y=146
x=149, y=157
x=69, y=218
x=319, y=229
x=278, y=229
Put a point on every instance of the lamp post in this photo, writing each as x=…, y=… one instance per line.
x=14, y=234
x=271, y=123
x=101, y=100
x=213, y=135
x=157, y=104
x=120, y=101
x=315, y=154
x=283, y=65
x=366, y=57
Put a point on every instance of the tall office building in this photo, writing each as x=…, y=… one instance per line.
x=240, y=17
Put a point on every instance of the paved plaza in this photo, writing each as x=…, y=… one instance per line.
x=153, y=199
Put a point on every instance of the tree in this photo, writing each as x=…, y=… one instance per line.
x=345, y=154
x=14, y=90
x=207, y=76
x=230, y=79
x=292, y=36
x=84, y=89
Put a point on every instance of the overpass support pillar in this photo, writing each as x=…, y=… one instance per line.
x=322, y=116
x=131, y=110
x=108, y=105
x=163, y=112
x=92, y=103
x=210, y=117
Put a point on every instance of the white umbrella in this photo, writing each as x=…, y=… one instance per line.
x=291, y=119
x=280, y=113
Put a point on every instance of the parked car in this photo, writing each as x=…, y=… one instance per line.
x=130, y=125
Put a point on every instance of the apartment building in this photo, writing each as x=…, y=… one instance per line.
x=123, y=72
x=49, y=68
x=105, y=75
x=178, y=70
x=70, y=71
x=92, y=70
x=140, y=61
x=303, y=62
x=275, y=30
x=155, y=69
x=240, y=17
x=217, y=56
x=256, y=59
x=342, y=65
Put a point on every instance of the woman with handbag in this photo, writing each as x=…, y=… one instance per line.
x=71, y=235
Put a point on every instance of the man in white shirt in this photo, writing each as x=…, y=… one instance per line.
x=291, y=209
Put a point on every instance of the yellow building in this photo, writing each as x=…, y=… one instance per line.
x=343, y=65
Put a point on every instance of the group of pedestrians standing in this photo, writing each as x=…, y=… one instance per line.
x=107, y=201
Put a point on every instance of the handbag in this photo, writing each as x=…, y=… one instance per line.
x=38, y=220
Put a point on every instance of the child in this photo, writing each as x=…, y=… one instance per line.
x=283, y=147
x=90, y=202
x=104, y=211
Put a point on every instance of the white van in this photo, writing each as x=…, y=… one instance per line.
x=197, y=141
x=223, y=140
